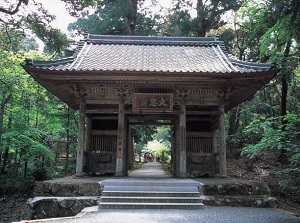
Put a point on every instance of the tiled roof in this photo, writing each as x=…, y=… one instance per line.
x=150, y=54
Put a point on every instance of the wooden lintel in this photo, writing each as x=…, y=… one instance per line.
x=102, y=111
x=105, y=117
x=108, y=101
x=104, y=132
x=130, y=112
x=202, y=112
x=198, y=119
x=202, y=134
x=150, y=118
x=149, y=123
x=201, y=103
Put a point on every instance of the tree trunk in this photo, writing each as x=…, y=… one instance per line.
x=201, y=29
x=233, y=121
x=284, y=84
x=5, y=155
x=25, y=167
x=284, y=92
x=2, y=110
x=37, y=106
x=132, y=14
x=4, y=163
x=18, y=161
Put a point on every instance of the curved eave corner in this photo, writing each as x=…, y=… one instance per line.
x=271, y=74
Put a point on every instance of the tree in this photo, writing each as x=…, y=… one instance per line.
x=17, y=18
x=163, y=135
x=268, y=31
x=116, y=18
x=210, y=16
x=179, y=23
x=143, y=133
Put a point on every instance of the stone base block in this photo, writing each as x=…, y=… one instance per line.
x=53, y=207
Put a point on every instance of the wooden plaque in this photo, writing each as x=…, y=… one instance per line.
x=152, y=102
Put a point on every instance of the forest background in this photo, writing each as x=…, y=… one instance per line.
x=38, y=133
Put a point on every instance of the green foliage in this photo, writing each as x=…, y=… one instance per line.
x=275, y=135
x=111, y=18
x=163, y=135
x=14, y=40
x=34, y=127
x=143, y=133
x=270, y=25
x=159, y=148
x=179, y=23
x=55, y=41
x=27, y=19
x=268, y=137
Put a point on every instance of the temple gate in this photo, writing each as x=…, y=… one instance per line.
x=116, y=81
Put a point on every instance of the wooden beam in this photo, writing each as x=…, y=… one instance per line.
x=198, y=119
x=104, y=117
x=202, y=112
x=102, y=111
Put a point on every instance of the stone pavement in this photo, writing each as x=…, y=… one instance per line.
x=149, y=170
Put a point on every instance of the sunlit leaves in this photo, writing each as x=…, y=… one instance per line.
x=30, y=147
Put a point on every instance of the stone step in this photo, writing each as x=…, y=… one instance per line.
x=149, y=194
x=151, y=188
x=112, y=205
x=155, y=183
x=151, y=199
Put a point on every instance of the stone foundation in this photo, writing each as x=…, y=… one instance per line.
x=47, y=188
x=68, y=197
x=239, y=194
x=53, y=207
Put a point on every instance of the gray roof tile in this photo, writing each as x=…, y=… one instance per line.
x=150, y=54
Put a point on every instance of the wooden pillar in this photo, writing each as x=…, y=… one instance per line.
x=222, y=143
x=81, y=134
x=88, y=143
x=177, y=148
x=130, y=150
x=215, y=152
x=121, y=159
x=182, y=143
x=214, y=142
x=173, y=149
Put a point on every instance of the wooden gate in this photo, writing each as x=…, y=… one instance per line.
x=103, y=150
x=200, y=157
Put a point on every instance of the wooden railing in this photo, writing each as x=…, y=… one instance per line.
x=104, y=143
x=199, y=144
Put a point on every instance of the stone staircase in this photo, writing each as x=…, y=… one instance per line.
x=150, y=194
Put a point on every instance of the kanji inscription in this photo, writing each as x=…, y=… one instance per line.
x=153, y=102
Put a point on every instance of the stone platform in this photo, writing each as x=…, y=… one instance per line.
x=68, y=196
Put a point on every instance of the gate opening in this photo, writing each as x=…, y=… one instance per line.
x=152, y=143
